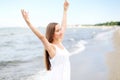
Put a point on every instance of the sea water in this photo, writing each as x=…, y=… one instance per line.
x=21, y=52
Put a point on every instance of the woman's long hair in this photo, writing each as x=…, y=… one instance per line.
x=49, y=35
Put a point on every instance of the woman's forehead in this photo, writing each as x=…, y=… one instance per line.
x=57, y=26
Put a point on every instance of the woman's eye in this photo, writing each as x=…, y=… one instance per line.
x=58, y=30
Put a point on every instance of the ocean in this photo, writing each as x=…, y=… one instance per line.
x=21, y=52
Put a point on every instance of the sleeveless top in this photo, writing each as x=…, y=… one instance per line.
x=60, y=65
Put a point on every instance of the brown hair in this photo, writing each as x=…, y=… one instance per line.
x=49, y=35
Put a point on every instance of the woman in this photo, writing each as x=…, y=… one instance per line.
x=56, y=56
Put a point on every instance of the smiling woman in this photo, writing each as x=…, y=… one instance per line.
x=56, y=56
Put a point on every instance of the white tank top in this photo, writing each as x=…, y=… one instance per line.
x=60, y=65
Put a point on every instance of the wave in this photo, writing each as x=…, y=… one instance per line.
x=104, y=35
x=71, y=39
x=10, y=63
x=79, y=47
x=41, y=75
x=14, y=62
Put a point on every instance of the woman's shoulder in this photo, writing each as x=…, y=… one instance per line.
x=53, y=46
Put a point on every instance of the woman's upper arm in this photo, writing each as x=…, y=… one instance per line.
x=48, y=46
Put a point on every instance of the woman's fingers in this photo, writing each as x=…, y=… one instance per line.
x=66, y=4
x=25, y=13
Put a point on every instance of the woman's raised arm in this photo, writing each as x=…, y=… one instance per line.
x=64, y=19
x=45, y=42
x=27, y=20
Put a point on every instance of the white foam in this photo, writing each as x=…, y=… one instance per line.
x=41, y=75
x=82, y=42
x=104, y=35
x=71, y=39
x=79, y=47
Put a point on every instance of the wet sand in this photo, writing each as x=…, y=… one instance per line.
x=113, y=58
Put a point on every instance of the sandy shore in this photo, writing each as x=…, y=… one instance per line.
x=113, y=58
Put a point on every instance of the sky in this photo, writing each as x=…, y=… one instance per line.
x=41, y=12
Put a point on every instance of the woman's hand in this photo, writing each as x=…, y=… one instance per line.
x=66, y=5
x=25, y=15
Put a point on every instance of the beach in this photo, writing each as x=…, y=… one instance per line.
x=22, y=54
x=113, y=57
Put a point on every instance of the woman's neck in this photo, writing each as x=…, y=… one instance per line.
x=56, y=42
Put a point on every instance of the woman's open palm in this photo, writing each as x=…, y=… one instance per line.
x=66, y=5
x=25, y=15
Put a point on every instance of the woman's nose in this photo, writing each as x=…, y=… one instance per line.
x=61, y=32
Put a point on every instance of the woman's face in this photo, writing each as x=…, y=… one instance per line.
x=58, y=32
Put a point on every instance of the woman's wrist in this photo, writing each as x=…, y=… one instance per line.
x=65, y=11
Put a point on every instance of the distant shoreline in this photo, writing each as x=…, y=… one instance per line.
x=69, y=26
x=92, y=26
